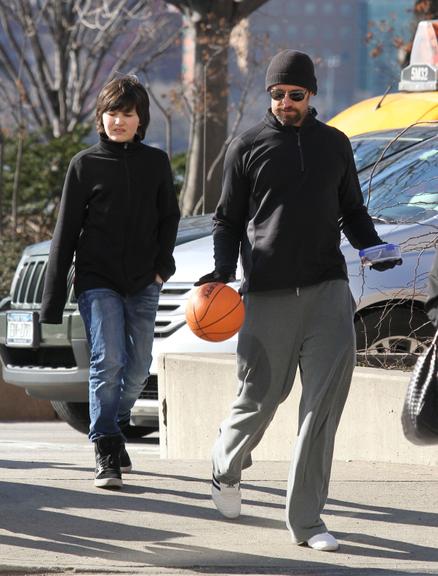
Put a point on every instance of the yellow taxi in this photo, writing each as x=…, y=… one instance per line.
x=416, y=100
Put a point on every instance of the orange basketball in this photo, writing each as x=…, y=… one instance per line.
x=215, y=311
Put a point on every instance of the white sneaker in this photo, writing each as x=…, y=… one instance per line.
x=227, y=498
x=324, y=542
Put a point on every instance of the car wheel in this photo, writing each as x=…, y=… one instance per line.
x=392, y=336
x=76, y=414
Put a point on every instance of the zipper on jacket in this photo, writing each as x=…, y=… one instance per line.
x=300, y=150
x=128, y=196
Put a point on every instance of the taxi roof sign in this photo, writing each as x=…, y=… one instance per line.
x=422, y=73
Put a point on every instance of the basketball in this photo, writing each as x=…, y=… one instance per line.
x=215, y=311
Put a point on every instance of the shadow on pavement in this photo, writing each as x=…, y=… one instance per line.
x=35, y=518
x=81, y=523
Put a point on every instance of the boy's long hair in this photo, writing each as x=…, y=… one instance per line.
x=124, y=93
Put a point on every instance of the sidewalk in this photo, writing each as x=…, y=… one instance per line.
x=53, y=520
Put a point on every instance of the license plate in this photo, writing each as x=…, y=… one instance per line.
x=22, y=329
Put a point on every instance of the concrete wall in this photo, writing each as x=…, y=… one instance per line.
x=15, y=404
x=195, y=393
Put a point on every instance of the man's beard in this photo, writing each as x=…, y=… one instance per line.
x=290, y=117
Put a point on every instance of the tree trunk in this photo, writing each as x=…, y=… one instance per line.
x=207, y=27
x=16, y=185
x=209, y=97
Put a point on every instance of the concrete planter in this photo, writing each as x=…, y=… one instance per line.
x=195, y=393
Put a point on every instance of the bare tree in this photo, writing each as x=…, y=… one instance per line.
x=207, y=32
x=61, y=52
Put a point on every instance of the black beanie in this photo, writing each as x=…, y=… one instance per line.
x=291, y=67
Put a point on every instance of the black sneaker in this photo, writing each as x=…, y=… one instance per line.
x=125, y=460
x=107, y=452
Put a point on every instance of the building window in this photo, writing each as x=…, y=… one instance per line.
x=310, y=30
x=274, y=28
x=345, y=9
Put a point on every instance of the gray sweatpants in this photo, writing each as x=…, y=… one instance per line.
x=312, y=329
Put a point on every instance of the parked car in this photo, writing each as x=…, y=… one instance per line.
x=371, y=147
x=391, y=325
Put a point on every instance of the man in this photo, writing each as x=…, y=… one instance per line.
x=287, y=182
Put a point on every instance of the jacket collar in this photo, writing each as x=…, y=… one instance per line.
x=271, y=120
x=119, y=148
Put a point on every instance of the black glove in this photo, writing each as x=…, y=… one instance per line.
x=216, y=276
x=386, y=265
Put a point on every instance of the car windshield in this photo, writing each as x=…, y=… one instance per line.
x=405, y=188
x=194, y=227
x=367, y=148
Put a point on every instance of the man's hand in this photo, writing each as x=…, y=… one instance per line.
x=216, y=276
x=386, y=265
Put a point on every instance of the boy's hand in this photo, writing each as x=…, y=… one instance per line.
x=159, y=279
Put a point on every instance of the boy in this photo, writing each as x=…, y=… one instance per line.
x=119, y=216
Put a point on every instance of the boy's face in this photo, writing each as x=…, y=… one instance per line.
x=121, y=125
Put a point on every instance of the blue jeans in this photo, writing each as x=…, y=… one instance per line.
x=120, y=333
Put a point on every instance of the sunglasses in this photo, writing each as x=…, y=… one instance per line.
x=295, y=95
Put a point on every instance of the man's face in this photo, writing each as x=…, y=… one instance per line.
x=286, y=104
x=121, y=126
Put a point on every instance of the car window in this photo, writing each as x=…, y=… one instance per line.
x=405, y=190
x=194, y=227
x=367, y=148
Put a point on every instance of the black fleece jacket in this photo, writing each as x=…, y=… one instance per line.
x=286, y=193
x=120, y=215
